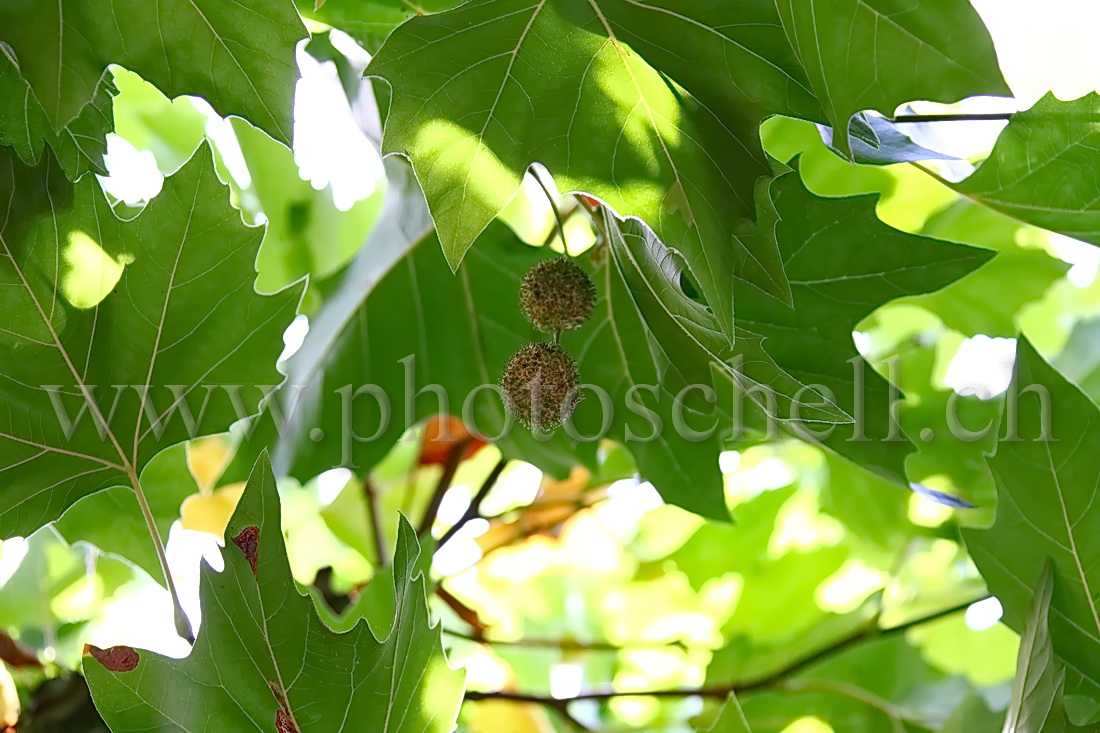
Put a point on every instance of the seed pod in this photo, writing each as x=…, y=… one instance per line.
x=557, y=295
x=539, y=383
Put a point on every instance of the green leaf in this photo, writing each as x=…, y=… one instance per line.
x=1037, y=705
x=170, y=128
x=731, y=719
x=939, y=51
x=1045, y=474
x=481, y=92
x=112, y=520
x=264, y=660
x=306, y=234
x=988, y=301
x=1042, y=168
x=876, y=686
x=204, y=48
x=79, y=146
x=654, y=109
x=1080, y=359
x=368, y=21
x=843, y=263
x=121, y=338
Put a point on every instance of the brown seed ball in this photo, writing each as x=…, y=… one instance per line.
x=557, y=295
x=539, y=386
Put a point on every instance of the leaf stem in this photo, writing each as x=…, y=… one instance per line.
x=183, y=625
x=568, y=644
x=553, y=207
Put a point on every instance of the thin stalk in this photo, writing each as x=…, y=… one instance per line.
x=371, y=498
x=183, y=625
x=474, y=510
x=979, y=117
x=553, y=207
x=449, y=469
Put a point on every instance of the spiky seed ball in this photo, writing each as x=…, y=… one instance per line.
x=538, y=385
x=557, y=295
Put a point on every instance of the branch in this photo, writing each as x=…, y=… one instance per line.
x=981, y=117
x=868, y=632
x=567, y=644
x=449, y=468
x=371, y=497
x=474, y=510
x=464, y=612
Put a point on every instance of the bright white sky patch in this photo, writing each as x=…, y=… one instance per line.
x=331, y=483
x=133, y=176
x=983, y=614
x=1084, y=257
x=982, y=366
x=329, y=147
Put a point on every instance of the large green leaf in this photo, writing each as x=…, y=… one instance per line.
x=989, y=300
x=654, y=108
x=1043, y=168
x=79, y=146
x=264, y=660
x=1037, y=705
x=120, y=338
x=483, y=91
x=842, y=263
x=1046, y=477
x=937, y=51
x=182, y=46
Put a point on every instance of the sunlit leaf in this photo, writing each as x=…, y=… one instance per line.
x=121, y=338
x=264, y=660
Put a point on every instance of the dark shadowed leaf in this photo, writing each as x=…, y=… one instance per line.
x=203, y=48
x=1047, y=482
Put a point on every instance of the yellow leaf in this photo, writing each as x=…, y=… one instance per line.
x=207, y=458
x=211, y=512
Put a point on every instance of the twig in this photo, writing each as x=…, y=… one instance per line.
x=474, y=510
x=567, y=644
x=720, y=692
x=464, y=612
x=371, y=497
x=565, y=216
x=554, y=208
x=979, y=117
x=449, y=468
